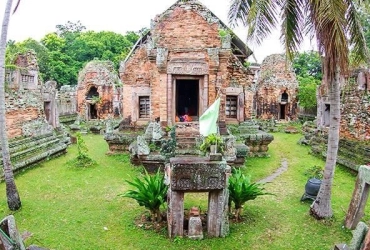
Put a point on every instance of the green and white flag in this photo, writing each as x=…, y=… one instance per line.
x=208, y=121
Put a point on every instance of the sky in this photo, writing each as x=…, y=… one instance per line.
x=36, y=18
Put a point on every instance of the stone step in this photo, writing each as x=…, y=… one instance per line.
x=31, y=143
x=27, y=151
x=21, y=141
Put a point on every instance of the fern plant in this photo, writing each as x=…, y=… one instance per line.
x=242, y=190
x=150, y=192
x=212, y=139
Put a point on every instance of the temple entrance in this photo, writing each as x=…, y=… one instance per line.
x=93, y=112
x=282, y=111
x=187, y=99
x=47, y=110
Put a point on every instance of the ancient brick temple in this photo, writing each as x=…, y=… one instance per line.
x=98, y=91
x=277, y=87
x=180, y=65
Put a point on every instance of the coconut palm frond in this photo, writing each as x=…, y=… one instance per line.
x=16, y=6
x=357, y=39
x=292, y=26
x=329, y=23
x=238, y=12
x=262, y=19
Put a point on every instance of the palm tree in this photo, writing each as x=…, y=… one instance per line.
x=336, y=26
x=14, y=202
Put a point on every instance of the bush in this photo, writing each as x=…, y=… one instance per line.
x=242, y=190
x=150, y=192
x=82, y=159
x=212, y=139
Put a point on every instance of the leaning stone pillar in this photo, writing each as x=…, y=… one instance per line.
x=359, y=198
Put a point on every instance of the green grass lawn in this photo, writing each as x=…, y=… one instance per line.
x=68, y=208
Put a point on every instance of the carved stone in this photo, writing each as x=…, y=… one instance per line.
x=197, y=174
x=187, y=67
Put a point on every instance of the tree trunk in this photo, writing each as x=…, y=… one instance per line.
x=321, y=207
x=14, y=202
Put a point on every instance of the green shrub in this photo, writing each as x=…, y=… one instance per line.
x=212, y=139
x=314, y=172
x=82, y=159
x=150, y=192
x=242, y=190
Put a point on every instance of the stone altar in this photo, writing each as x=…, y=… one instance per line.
x=198, y=174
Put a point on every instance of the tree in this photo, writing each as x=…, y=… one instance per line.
x=13, y=199
x=307, y=66
x=336, y=26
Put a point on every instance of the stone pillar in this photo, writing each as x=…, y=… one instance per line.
x=205, y=94
x=169, y=100
x=175, y=213
x=359, y=198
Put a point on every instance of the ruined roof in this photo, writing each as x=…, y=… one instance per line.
x=105, y=73
x=239, y=48
x=276, y=71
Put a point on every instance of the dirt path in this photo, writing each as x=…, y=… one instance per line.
x=279, y=171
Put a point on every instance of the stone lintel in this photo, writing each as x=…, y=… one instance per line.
x=197, y=174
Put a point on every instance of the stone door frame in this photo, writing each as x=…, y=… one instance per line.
x=191, y=69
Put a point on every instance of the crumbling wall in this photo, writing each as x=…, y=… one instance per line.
x=355, y=107
x=101, y=76
x=67, y=103
x=276, y=78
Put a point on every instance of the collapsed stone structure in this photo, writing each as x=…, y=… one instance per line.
x=98, y=91
x=354, y=149
x=31, y=114
x=67, y=103
x=276, y=90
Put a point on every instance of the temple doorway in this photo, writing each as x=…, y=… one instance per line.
x=187, y=99
x=93, y=112
x=282, y=111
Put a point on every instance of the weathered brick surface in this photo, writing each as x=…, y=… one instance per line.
x=16, y=118
x=276, y=77
x=355, y=106
x=184, y=43
x=99, y=75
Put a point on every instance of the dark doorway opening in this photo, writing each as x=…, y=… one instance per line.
x=187, y=98
x=284, y=97
x=282, y=111
x=93, y=111
x=47, y=110
x=93, y=92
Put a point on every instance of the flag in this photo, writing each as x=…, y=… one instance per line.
x=208, y=121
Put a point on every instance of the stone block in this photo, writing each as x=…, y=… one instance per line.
x=195, y=229
x=358, y=236
x=197, y=174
